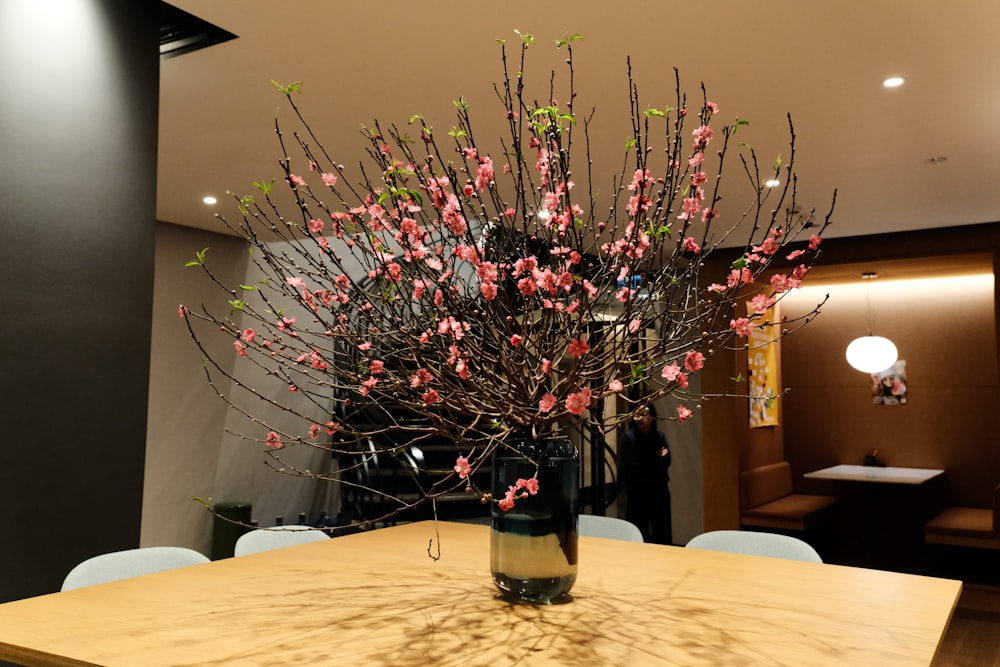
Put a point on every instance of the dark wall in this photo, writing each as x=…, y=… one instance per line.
x=78, y=132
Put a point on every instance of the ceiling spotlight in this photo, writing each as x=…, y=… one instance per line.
x=772, y=183
x=936, y=160
x=210, y=200
x=893, y=82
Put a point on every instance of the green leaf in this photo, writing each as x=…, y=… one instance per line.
x=456, y=133
x=738, y=123
x=293, y=87
x=630, y=144
x=237, y=304
x=199, y=259
x=655, y=112
x=264, y=187
x=526, y=39
x=248, y=288
x=739, y=379
x=207, y=502
x=741, y=263
x=414, y=118
x=245, y=202
x=569, y=40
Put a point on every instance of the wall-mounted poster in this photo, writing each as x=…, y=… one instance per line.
x=762, y=372
x=889, y=386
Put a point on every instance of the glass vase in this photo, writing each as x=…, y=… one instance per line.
x=533, y=553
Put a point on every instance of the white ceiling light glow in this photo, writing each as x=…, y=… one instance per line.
x=893, y=82
x=210, y=200
x=871, y=354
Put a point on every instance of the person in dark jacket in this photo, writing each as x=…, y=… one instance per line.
x=645, y=457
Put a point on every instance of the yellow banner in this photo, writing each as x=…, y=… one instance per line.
x=762, y=372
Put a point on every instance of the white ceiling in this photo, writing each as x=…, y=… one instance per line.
x=822, y=62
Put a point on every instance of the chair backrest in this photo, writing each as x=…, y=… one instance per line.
x=756, y=544
x=610, y=527
x=765, y=483
x=265, y=539
x=130, y=563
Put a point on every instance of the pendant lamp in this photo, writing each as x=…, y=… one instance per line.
x=871, y=354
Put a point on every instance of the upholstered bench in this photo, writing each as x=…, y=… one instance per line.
x=966, y=526
x=767, y=500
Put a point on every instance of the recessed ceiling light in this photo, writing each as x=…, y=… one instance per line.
x=772, y=183
x=893, y=82
x=210, y=200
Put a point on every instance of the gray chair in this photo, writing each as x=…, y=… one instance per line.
x=130, y=563
x=265, y=539
x=755, y=544
x=610, y=527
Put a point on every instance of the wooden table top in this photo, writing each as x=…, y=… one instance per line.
x=883, y=474
x=376, y=598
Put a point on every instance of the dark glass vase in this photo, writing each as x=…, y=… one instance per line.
x=533, y=545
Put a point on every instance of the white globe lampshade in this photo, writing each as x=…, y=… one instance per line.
x=871, y=354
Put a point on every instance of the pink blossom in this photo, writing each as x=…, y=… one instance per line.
x=671, y=371
x=615, y=386
x=484, y=175
x=691, y=246
x=273, y=440
x=368, y=385
x=696, y=159
x=814, y=242
x=515, y=340
x=462, y=467
x=296, y=180
x=422, y=376
x=182, y=310
x=702, y=135
x=364, y=347
x=331, y=427
x=768, y=247
x=739, y=277
x=316, y=226
x=506, y=504
x=715, y=288
x=578, y=347
x=634, y=325
x=694, y=361
x=375, y=367
x=683, y=413
x=488, y=290
x=240, y=349
x=699, y=178
x=761, y=303
x=577, y=402
x=314, y=431
x=795, y=254
x=547, y=403
x=248, y=335
x=530, y=485
x=742, y=326
x=430, y=397
x=295, y=281
x=546, y=366
x=329, y=179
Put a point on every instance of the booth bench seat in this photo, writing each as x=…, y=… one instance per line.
x=767, y=500
x=966, y=526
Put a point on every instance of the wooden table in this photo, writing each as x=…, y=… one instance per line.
x=881, y=474
x=376, y=598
